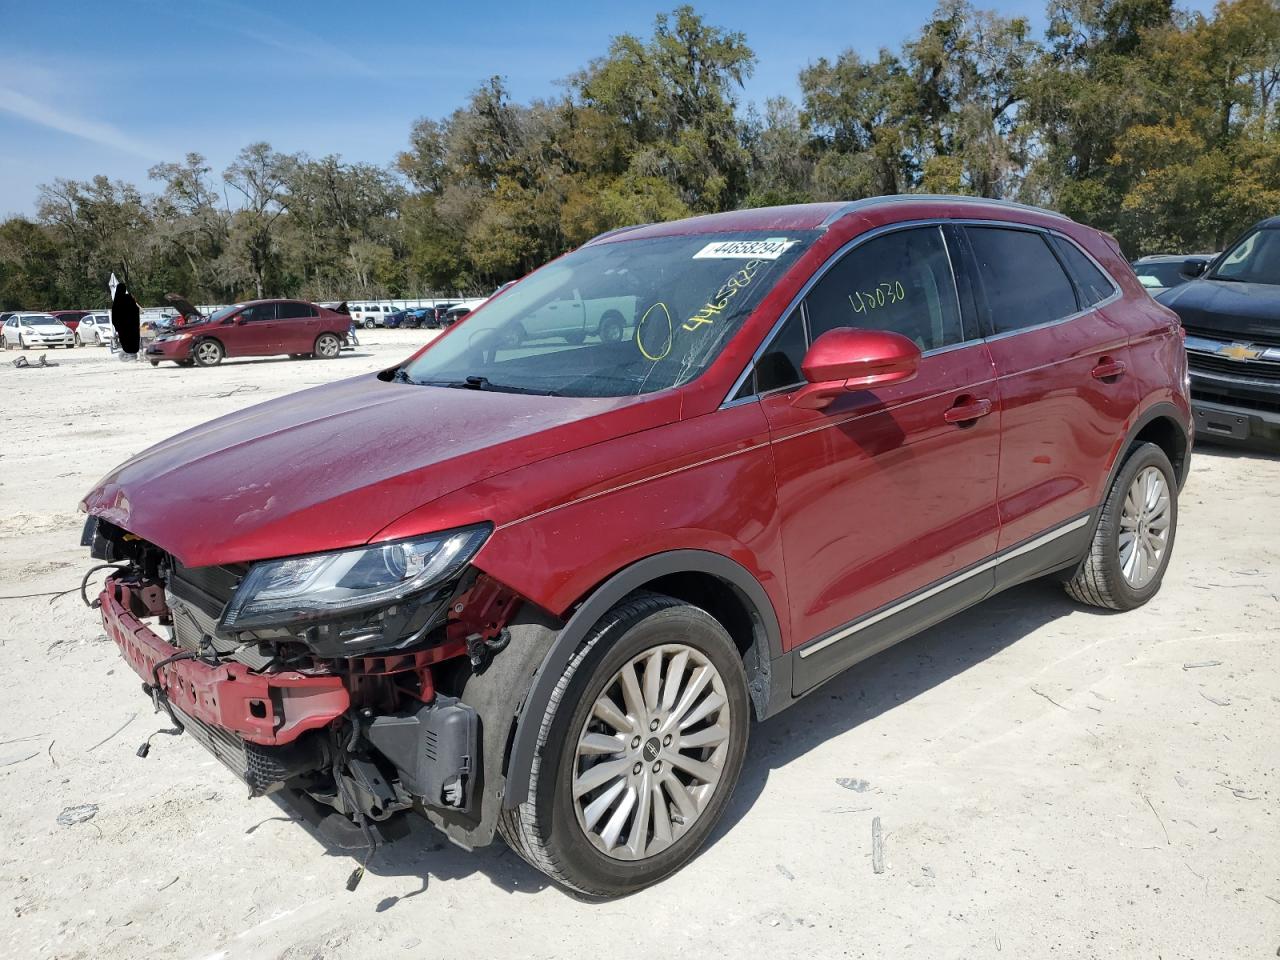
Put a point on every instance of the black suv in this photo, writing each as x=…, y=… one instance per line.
x=1232, y=317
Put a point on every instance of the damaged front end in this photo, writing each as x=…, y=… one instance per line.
x=336, y=682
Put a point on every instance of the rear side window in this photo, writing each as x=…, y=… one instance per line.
x=901, y=282
x=1024, y=283
x=295, y=311
x=1092, y=283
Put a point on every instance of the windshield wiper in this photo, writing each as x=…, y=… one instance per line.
x=484, y=383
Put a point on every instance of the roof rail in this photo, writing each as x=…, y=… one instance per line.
x=615, y=231
x=868, y=202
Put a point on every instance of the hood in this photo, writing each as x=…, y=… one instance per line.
x=330, y=467
x=1242, y=311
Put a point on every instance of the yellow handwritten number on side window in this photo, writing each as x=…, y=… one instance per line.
x=641, y=330
x=885, y=292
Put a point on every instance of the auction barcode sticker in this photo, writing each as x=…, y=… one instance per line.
x=770, y=249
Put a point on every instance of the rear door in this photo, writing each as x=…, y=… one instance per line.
x=298, y=325
x=887, y=497
x=1065, y=398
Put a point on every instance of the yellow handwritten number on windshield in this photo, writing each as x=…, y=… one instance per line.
x=640, y=332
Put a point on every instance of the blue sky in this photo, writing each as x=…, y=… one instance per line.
x=94, y=87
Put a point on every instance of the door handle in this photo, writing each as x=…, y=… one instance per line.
x=967, y=409
x=1108, y=369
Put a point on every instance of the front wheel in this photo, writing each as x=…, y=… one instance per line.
x=22, y=341
x=76, y=340
x=208, y=353
x=327, y=346
x=638, y=751
x=1134, y=536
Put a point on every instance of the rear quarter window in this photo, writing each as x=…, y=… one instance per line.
x=1093, y=284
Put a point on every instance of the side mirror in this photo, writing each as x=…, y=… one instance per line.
x=1194, y=266
x=846, y=359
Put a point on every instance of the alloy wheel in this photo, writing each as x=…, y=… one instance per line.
x=1144, y=527
x=651, y=753
x=208, y=352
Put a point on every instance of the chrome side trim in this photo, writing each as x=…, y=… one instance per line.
x=933, y=591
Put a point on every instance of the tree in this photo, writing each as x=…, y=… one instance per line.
x=259, y=175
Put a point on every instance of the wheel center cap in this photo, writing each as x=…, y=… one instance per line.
x=651, y=749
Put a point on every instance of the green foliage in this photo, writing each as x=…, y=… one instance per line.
x=1158, y=125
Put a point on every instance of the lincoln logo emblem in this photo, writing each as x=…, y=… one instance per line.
x=651, y=750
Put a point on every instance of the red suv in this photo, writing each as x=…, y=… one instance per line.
x=259, y=328
x=551, y=605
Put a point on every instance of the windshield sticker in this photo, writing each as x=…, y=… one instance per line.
x=644, y=331
x=885, y=292
x=770, y=249
x=723, y=297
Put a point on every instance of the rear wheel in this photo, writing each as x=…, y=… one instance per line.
x=611, y=326
x=1134, y=536
x=328, y=346
x=638, y=751
x=368, y=324
x=208, y=353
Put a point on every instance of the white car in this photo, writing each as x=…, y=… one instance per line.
x=27, y=330
x=96, y=330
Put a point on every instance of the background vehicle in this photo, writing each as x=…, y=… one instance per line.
x=96, y=330
x=434, y=318
x=1231, y=315
x=26, y=330
x=70, y=318
x=460, y=310
x=259, y=328
x=552, y=612
x=371, y=315
x=1160, y=272
x=394, y=319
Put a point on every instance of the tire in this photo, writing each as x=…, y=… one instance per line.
x=155, y=363
x=1105, y=578
x=22, y=342
x=327, y=346
x=369, y=324
x=611, y=326
x=550, y=829
x=75, y=341
x=208, y=353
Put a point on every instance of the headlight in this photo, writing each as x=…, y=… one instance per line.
x=326, y=586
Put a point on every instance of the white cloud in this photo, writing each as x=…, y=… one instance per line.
x=94, y=131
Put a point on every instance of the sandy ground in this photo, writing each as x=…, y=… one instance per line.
x=1052, y=781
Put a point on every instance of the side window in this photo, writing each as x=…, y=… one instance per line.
x=259, y=311
x=779, y=365
x=1092, y=283
x=295, y=311
x=901, y=282
x=1024, y=283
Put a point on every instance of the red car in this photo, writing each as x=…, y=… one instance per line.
x=259, y=328
x=551, y=606
x=70, y=319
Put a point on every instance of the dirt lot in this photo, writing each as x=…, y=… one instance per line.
x=1051, y=781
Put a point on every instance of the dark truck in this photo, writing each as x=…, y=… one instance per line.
x=1231, y=314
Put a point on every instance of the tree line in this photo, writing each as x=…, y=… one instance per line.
x=1156, y=124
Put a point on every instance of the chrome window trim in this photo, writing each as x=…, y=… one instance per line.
x=988, y=564
x=1116, y=291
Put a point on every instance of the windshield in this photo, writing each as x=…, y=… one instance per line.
x=42, y=321
x=1255, y=259
x=614, y=319
x=223, y=313
x=1161, y=274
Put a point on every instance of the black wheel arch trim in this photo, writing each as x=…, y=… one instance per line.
x=766, y=647
x=1157, y=411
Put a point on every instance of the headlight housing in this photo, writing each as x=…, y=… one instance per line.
x=328, y=586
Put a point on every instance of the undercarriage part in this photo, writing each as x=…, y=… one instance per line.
x=336, y=830
x=263, y=769
x=435, y=749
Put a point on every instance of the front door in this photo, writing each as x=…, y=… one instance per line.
x=886, y=497
x=257, y=332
